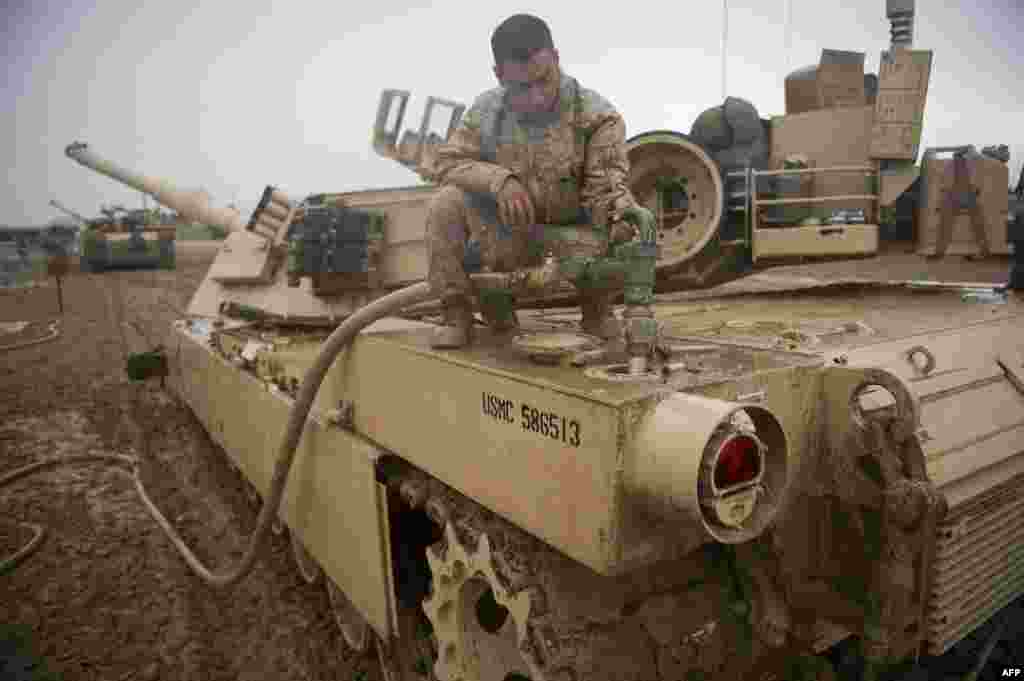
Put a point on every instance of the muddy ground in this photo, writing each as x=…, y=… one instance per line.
x=106, y=596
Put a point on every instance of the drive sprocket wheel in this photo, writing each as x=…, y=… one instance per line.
x=479, y=623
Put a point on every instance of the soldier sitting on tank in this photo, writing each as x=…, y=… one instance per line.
x=538, y=150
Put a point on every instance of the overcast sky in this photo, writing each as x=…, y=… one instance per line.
x=232, y=96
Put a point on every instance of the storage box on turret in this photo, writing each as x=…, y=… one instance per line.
x=827, y=138
x=841, y=80
x=990, y=177
x=899, y=107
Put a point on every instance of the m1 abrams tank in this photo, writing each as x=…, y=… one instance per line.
x=765, y=477
x=123, y=241
x=127, y=244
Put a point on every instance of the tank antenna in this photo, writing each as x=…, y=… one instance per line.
x=787, y=33
x=725, y=42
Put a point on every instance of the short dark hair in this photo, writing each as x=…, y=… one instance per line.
x=518, y=37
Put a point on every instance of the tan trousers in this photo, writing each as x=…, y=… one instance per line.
x=464, y=235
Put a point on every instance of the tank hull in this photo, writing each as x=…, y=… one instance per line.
x=429, y=438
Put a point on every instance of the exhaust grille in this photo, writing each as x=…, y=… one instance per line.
x=979, y=563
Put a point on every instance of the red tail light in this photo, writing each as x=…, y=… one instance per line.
x=739, y=461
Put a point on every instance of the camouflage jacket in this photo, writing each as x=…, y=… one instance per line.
x=572, y=161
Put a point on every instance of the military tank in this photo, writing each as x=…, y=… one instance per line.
x=734, y=489
x=122, y=239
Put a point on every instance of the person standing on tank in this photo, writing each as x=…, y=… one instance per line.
x=538, y=150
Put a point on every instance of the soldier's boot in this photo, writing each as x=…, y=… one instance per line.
x=499, y=311
x=599, y=316
x=457, y=329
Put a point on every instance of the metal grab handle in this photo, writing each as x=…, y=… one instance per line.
x=387, y=142
x=384, y=140
x=930, y=152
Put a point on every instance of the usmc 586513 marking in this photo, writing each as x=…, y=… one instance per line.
x=545, y=423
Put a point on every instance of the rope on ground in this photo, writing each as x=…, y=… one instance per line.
x=339, y=339
x=10, y=562
x=114, y=301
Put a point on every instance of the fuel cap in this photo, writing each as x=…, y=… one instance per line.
x=552, y=347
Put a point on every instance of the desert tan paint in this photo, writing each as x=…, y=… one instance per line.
x=562, y=489
x=968, y=403
x=469, y=420
x=332, y=501
x=791, y=394
x=989, y=177
x=815, y=240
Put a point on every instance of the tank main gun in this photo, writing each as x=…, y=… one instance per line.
x=194, y=205
x=84, y=222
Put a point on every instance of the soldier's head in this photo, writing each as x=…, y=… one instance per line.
x=526, y=63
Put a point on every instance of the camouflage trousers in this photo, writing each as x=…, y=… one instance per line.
x=465, y=235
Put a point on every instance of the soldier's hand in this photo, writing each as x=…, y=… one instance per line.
x=514, y=204
x=622, y=231
x=644, y=221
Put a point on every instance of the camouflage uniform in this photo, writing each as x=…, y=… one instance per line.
x=572, y=162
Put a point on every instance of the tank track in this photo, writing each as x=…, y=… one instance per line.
x=504, y=605
x=555, y=620
x=644, y=613
x=953, y=665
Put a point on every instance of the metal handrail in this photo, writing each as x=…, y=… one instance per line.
x=802, y=171
x=816, y=199
x=756, y=203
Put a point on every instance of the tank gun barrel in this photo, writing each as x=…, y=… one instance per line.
x=194, y=205
x=64, y=209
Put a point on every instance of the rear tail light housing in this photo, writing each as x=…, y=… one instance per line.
x=731, y=473
x=739, y=461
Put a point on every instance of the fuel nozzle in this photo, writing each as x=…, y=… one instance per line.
x=641, y=336
x=523, y=282
x=640, y=260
